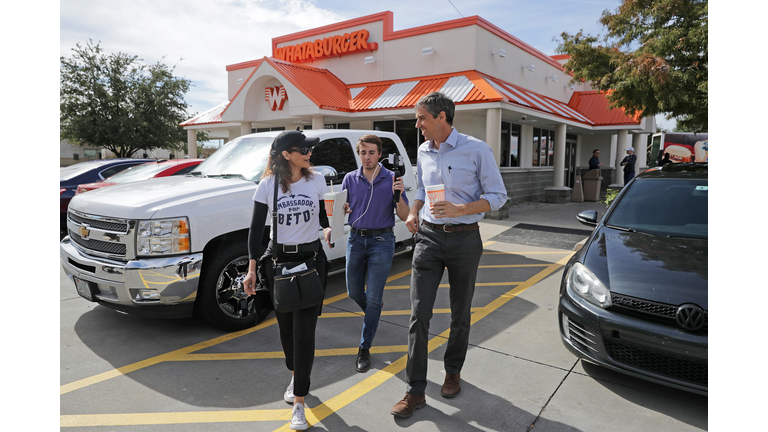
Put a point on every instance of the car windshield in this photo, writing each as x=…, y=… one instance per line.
x=245, y=157
x=136, y=173
x=75, y=170
x=666, y=207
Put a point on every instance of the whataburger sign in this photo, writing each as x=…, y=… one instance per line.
x=333, y=46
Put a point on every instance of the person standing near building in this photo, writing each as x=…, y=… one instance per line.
x=371, y=241
x=298, y=222
x=629, y=165
x=594, y=161
x=447, y=237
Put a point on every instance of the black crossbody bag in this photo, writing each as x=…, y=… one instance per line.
x=294, y=290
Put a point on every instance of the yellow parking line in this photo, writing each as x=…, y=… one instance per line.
x=279, y=354
x=527, y=253
x=314, y=415
x=394, y=312
x=132, y=419
x=66, y=388
x=446, y=285
x=356, y=391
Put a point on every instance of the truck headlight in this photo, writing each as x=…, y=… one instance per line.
x=160, y=237
x=585, y=284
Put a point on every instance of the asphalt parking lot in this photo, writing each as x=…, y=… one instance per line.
x=121, y=372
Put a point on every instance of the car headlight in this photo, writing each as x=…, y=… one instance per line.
x=161, y=237
x=581, y=281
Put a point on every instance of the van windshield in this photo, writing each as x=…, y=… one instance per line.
x=245, y=157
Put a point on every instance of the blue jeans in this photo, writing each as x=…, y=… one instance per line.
x=369, y=259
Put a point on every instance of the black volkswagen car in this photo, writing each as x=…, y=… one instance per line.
x=634, y=298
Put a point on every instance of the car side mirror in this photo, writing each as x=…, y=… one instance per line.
x=329, y=172
x=588, y=217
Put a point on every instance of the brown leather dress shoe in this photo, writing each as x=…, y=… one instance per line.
x=408, y=405
x=451, y=386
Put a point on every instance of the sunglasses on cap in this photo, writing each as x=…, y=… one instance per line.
x=302, y=150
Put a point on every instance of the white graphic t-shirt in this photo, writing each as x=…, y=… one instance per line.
x=297, y=210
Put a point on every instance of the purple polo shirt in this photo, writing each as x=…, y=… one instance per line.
x=381, y=210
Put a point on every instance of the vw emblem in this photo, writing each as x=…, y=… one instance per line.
x=84, y=232
x=690, y=317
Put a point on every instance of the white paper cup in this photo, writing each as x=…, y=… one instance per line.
x=435, y=193
x=328, y=198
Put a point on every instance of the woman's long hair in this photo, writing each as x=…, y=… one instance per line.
x=279, y=167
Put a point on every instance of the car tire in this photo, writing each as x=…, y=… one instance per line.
x=219, y=297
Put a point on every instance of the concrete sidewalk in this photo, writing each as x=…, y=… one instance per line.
x=542, y=224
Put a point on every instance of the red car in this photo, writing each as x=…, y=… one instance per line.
x=160, y=168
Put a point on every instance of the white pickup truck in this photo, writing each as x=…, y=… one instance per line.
x=177, y=246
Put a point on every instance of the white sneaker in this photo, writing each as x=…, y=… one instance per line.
x=288, y=396
x=298, y=419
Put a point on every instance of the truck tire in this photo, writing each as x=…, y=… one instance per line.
x=221, y=301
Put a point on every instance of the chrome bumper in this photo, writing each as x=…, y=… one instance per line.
x=151, y=282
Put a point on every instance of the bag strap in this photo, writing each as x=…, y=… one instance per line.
x=274, y=225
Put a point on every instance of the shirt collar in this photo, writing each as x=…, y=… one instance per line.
x=380, y=175
x=452, y=140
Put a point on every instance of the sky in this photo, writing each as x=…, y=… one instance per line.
x=200, y=38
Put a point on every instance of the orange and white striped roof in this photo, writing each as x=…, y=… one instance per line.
x=211, y=116
x=328, y=92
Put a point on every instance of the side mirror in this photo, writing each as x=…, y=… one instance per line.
x=588, y=217
x=329, y=172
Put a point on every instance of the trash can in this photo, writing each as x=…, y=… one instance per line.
x=578, y=191
x=592, y=181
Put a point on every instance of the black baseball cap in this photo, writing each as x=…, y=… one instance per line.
x=291, y=139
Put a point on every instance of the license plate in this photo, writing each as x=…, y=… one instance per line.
x=84, y=289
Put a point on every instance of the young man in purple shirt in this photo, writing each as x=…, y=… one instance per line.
x=371, y=243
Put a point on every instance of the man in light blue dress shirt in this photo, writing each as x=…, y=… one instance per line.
x=446, y=238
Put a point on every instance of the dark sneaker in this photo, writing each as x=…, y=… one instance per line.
x=363, y=362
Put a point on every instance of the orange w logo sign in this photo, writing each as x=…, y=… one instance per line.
x=275, y=97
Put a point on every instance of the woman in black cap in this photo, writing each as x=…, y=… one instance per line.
x=300, y=216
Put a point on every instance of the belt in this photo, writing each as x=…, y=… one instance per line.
x=452, y=228
x=370, y=232
x=304, y=247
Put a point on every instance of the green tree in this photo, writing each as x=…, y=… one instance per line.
x=116, y=102
x=653, y=60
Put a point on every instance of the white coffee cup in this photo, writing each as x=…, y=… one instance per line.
x=435, y=193
x=328, y=198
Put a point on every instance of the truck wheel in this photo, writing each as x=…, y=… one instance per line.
x=221, y=300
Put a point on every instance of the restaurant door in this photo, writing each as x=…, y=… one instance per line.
x=570, y=162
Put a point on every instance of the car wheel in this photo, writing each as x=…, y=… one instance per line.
x=221, y=300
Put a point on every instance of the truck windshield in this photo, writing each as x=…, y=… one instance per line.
x=245, y=156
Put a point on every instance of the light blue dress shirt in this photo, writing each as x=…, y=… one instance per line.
x=467, y=168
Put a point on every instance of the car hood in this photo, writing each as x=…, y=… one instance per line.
x=160, y=197
x=660, y=269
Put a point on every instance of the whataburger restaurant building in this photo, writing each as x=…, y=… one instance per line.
x=360, y=74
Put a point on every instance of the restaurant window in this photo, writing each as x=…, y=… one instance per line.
x=543, y=147
x=510, y=138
